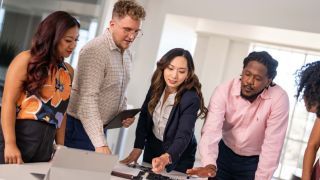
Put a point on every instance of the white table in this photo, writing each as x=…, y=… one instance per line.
x=23, y=171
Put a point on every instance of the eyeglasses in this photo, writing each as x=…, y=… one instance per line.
x=128, y=31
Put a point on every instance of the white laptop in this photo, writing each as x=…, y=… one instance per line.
x=69, y=163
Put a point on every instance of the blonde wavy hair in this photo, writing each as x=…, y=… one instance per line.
x=131, y=8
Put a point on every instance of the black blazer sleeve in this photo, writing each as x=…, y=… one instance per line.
x=143, y=124
x=189, y=106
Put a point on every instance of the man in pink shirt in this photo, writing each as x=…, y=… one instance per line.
x=246, y=124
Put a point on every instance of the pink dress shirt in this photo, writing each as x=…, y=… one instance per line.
x=256, y=128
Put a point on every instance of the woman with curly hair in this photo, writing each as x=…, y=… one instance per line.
x=308, y=79
x=165, y=127
x=36, y=93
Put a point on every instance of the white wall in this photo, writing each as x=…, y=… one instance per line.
x=284, y=14
x=178, y=31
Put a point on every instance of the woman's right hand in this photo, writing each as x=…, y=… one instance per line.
x=133, y=156
x=12, y=154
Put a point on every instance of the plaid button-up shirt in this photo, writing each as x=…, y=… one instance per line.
x=99, y=86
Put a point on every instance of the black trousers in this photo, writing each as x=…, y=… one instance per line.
x=232, y=166
x=34, y=140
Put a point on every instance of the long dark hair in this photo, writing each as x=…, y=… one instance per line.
x=158, y=83
x=44, y=55
x=308, y=81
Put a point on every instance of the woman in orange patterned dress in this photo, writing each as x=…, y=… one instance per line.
x=308, y=78
x=36, y=93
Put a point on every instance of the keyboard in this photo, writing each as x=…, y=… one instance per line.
x=147, y=173
x=155, y=176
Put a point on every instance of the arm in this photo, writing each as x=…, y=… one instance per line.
x=211, y=135
x=60, y=135
x=185, y=130
x=276, y=126
x=183, y=133
x=90, y=76
x=211, y=132
x=311, y=150
x=16, y=74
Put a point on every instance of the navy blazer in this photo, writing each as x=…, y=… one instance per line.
x=178, y=139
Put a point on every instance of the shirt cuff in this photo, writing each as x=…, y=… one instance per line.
x=99, y=141
x=205, y=163
x=260, y=176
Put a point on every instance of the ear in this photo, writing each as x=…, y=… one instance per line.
x=111, y=23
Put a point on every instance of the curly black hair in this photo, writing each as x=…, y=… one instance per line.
x=266, y=59
x=308, y=81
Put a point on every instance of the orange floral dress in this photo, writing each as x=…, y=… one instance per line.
x=52, y=104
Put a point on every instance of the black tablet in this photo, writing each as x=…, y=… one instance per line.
x=116, y=122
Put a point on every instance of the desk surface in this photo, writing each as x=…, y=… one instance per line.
x=29, y=171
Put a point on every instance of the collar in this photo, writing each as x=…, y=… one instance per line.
x=110, y=41
x=170, y=98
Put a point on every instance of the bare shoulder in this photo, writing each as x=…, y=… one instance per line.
x=20, y=63
x=22, y=59
x=17, y=71
x=70, y=69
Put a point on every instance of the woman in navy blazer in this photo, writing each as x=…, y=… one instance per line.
x=165, y=127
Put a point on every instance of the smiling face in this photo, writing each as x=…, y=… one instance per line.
x=124, y=31
x=254, y=78
x=68, y=42
x=175, y=73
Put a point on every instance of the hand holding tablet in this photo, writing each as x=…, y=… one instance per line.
x=116, y=122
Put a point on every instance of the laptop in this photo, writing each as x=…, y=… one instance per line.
x=69, y=163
